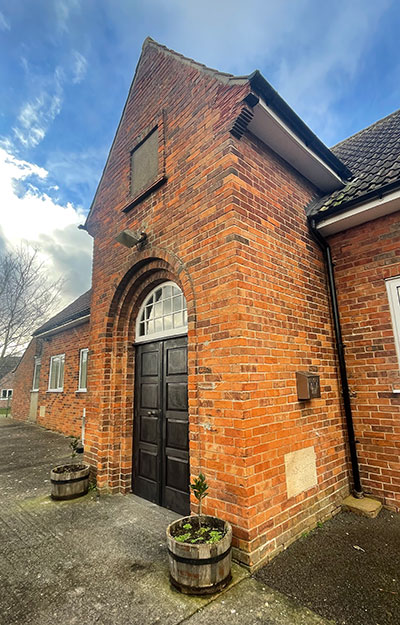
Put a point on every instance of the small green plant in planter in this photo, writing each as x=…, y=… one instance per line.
x=69, y=481
x=200, y=489
x=199, y=549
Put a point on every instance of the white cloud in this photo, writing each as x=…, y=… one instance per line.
x=36, y=116
x=4, y=25
x=79, y=67
x=29, y=214
x=63, y=10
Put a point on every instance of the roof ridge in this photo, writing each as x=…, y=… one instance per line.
x=360, y=132
x=189, y=60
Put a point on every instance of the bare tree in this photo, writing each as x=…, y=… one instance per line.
x=27, y=298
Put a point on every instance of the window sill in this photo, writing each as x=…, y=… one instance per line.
x=143, y=194
x=81, y=390
x=34, y=390
x=54, y=390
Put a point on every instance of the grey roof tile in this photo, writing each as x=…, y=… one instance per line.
x=373, y=156
x=79, y=308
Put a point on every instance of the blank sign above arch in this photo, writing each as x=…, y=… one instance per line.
x=162, y=314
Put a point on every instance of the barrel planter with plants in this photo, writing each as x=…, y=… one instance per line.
x=69, y=481
x=199, y=550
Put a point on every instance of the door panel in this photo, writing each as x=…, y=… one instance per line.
x=161, y=432
x=146, y=457
x=176, y=426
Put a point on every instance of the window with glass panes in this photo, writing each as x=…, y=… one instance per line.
x=36, y=374
x=163, y=313
x=393, y=290
x=83, y=360
x=56, y=377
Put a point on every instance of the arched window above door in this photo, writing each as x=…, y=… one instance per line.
x=163, y=313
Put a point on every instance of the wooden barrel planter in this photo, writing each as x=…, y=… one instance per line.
x=200, y=569
x=68, y=482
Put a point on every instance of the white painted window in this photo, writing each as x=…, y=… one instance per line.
x=83, y=360
x=36, y=374
x=393, y=289
x=6, y=393
x=163, y=313
x=56, y=377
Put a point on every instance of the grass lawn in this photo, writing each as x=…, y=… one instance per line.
x=3, y=412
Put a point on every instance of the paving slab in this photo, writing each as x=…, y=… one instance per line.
x=102, y=560
x=252, y=603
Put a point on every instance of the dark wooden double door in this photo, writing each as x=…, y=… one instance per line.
x=161, y=430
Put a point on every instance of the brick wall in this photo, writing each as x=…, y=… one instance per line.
x=58, y=411
x=23, y=382
x=229, y=227
x=284, y=326
x=364, y=257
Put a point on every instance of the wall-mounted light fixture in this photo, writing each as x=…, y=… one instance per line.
x=129, y=238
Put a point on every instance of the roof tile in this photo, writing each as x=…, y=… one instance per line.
x=77, y=309
x=373, y=156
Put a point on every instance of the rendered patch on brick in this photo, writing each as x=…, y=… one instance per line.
x=301, y=471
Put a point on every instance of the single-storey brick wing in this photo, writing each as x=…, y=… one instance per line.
x=244, y=311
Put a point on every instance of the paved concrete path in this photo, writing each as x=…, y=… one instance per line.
x=347, y=570
x=101, y=560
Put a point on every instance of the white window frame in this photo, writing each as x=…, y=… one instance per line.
x=60, y=382
x=8, y=393
x=38, y=363
x=82, y=389
x=165, y=332
x=393, y=290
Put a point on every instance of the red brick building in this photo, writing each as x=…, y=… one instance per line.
x=50, y=380
x=211, y=313
x=362, y=224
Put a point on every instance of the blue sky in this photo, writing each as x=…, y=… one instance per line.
x=66, y=67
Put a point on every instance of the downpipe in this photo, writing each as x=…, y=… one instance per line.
x=326, y=250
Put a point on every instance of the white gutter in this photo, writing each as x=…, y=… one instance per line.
x=64, y=326
x=361, y=214
x=268, y=127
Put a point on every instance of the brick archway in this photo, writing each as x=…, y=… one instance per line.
x=110, y=450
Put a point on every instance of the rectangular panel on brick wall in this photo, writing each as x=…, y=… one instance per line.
x=301, y=471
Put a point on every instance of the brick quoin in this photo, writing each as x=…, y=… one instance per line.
x=365, y=256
